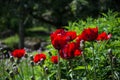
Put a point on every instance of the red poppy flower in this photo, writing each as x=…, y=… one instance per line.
x=69, y=51
x=90, y=34
x=18, y=53
x=59, y=42
x=57, y=32
x=103, y=36
x=39, y=57
x=58, y=39
x=71, y=35
x=54, y=59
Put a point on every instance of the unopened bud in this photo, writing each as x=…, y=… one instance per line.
x=14, y=64
x=7, y=70
x=15, y=70
x=114, y=60
x=32, y=63
x=26, y=55
x=11, y=74
x=110, y=53
x=31, y=57
x=82, y=45
x=46, y=69
x=50, y=53
x=11, y=59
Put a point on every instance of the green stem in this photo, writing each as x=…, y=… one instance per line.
x=27, y=66
x=3, y=69
x=13, y=78
x=22, y=75
x=33, y=72
x=94, y=62
x=100, y=46
x=85, y=63
x=59, y=74
x=112, y=71
x=45, y=75
x=71, y=67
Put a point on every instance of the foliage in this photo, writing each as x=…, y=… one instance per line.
x=109, y=23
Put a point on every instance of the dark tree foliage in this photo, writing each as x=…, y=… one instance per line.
x=54, y=12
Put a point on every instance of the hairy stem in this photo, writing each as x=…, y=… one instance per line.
x=59, y=74
x=94, y=61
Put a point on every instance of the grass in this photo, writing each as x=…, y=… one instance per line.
x=11, y=41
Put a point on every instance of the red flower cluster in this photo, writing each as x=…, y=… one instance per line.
x=18, y=53
x=39, y=57
x=54, y=59
x=91, y=34
x=60, y=38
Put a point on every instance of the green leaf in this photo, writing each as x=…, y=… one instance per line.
x=82, y=67
x=51, y=74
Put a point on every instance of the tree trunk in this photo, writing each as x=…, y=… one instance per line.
x=21, y=34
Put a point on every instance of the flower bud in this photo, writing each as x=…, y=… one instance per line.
x=14, y=64
x=114, y=60
x=26, y=55
x=11, y=74
x=82, y=45
x=31, y=57
x=11, y=59
x=32, y=63
x=50, y=53
x=46, y=69
x=15, y=70
x=7, y=70
x=109, y=51
x=110, y=54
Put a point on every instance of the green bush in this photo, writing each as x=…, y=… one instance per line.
x=109, y=23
